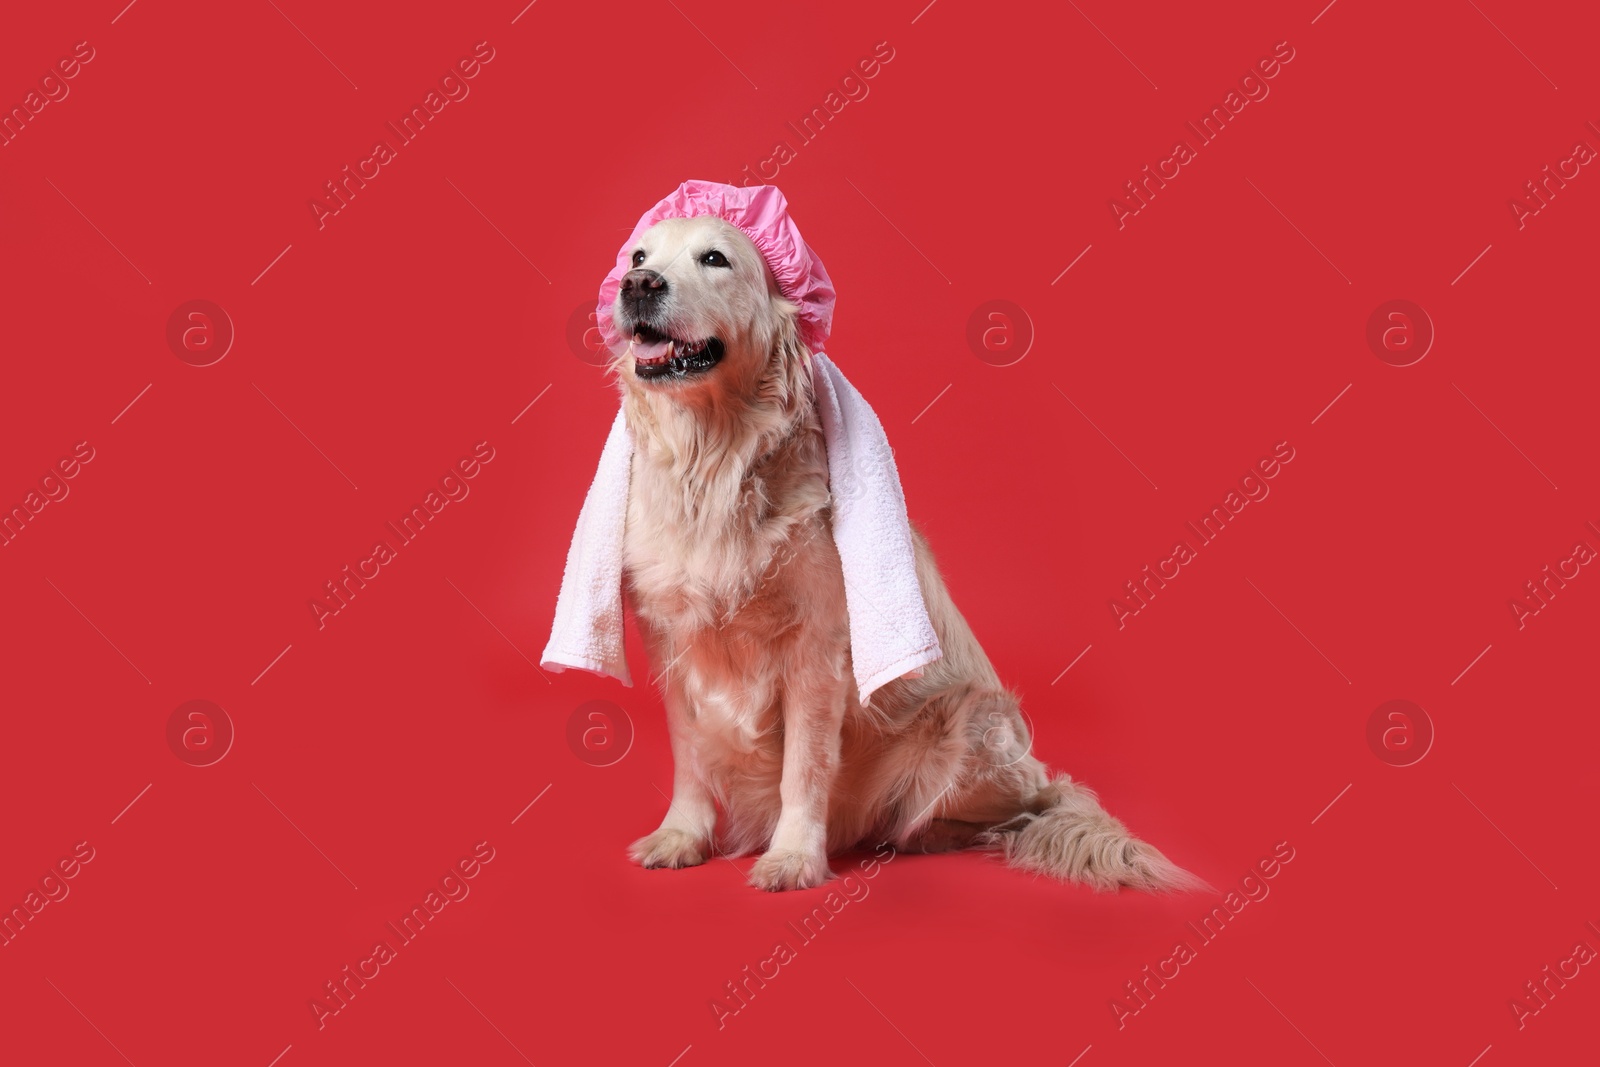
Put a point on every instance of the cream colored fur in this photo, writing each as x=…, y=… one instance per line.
x=732, y=572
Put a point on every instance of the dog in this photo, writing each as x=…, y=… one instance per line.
x=736, y=582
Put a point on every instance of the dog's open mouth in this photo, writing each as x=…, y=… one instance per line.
x=657, y=355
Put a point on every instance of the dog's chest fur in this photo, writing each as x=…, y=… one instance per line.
x=727, y=552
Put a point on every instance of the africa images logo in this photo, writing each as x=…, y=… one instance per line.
x=453, y=488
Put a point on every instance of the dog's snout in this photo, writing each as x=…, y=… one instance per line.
x=641, y=287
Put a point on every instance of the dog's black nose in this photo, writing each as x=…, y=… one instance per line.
x=641, y=288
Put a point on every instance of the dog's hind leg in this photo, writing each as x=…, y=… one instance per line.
x=1048, y=825
x=945, y=835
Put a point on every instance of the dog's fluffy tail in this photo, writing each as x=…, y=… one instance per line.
x=1070, y=836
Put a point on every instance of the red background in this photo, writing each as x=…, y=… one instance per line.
x=1223, y=719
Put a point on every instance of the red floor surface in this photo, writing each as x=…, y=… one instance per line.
x=1410, y=884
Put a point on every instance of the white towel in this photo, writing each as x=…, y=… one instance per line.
x=890, y=633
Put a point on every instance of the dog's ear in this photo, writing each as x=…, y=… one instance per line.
x=789, y=364
x=786, y=342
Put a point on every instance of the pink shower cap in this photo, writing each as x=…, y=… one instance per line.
x=761, y=212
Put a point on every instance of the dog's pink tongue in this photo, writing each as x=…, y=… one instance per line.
x=649, y=352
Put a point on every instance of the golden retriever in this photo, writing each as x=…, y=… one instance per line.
x=732, y=571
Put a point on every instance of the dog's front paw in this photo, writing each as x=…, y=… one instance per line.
x=782, y=868
x=669, y=848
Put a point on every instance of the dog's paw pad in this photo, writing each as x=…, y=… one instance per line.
x=670, y=848
x=782, y=869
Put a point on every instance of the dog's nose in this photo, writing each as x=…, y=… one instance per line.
x=641, y=287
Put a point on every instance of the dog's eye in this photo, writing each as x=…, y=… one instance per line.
x=638, y=258
x=714, y=258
